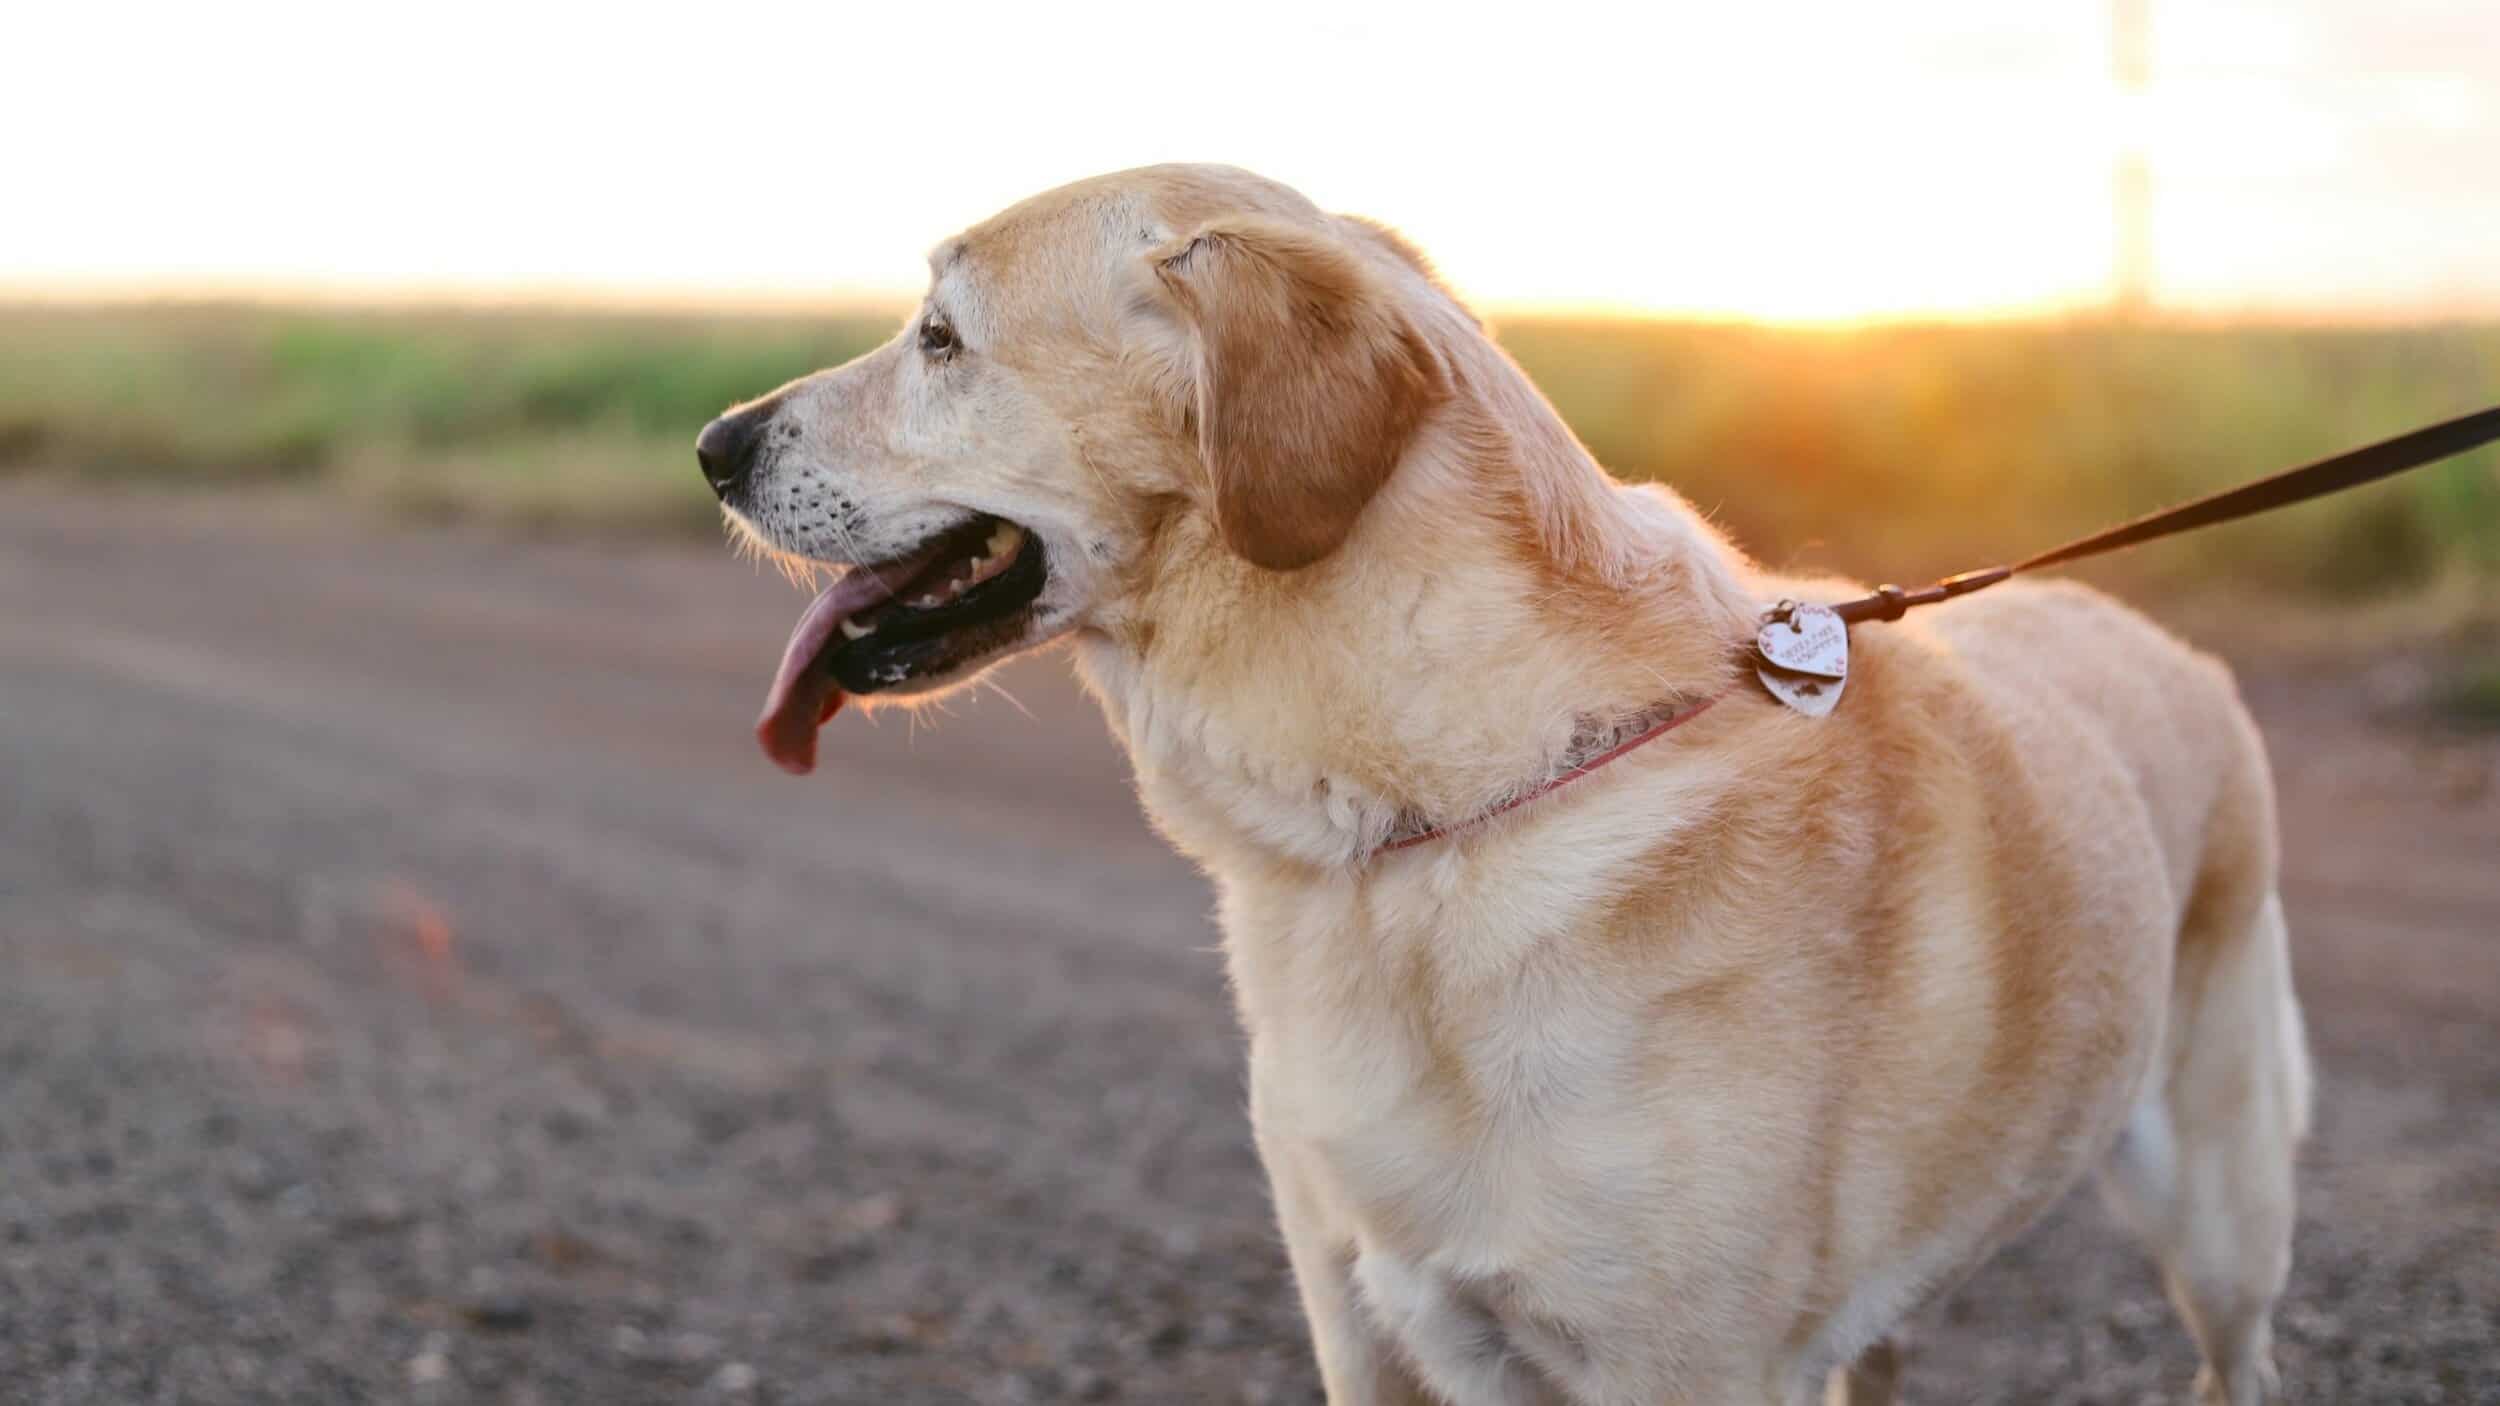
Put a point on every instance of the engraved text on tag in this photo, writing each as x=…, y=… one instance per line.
x=1804, y=658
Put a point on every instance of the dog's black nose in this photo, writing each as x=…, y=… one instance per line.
x=727, y=446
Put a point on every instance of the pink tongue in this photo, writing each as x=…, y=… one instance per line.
x=803, y=695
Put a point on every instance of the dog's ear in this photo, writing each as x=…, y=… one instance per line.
x=1309, y=383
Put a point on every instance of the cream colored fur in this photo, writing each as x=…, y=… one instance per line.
x=1691, y=1081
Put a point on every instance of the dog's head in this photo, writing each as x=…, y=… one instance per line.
x=1170, y=359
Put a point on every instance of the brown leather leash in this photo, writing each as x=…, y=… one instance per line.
x=2350, y=469
x=1801, y=653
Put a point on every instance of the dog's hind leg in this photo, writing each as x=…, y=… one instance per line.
x=2204, y=1171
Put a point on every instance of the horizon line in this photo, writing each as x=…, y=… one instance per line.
x=735, y=299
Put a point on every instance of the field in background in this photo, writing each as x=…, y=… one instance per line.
x=1893, y=451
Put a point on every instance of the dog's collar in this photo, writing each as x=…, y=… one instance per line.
x=1595, y=742
x=1806, y=674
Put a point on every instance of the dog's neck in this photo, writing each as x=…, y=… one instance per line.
x=1500, y=597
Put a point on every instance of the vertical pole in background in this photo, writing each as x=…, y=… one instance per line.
x=2131, y=67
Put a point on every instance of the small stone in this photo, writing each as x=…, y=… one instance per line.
x=734, y=1379
x=251, y=1178
x=692, y=1349
x=565, y=1125
x=872, y=1215
x=377, y=1212
x=2134, y=1315
x=497, y=1310
x=563, y=1251
x=900, y=1332
x=432, y=1363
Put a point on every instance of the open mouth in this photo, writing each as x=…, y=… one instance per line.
x=957, y=597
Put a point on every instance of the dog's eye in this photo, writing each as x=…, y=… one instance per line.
x=936, y=338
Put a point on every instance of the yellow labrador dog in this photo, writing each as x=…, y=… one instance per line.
x=1687, y=1081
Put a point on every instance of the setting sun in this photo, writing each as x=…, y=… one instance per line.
x=1813, y=163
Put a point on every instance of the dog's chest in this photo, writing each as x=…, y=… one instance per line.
x=1453, y=1086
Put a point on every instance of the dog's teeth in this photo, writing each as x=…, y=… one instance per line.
x=995, y=553
x=853, y=630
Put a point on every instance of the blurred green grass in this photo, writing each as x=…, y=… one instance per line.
x=550, y=420
x=1894, y=451
x=2468, y=692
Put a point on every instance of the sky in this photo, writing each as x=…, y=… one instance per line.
x=1798, y=161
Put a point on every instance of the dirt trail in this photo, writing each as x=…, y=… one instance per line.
x=413, y=986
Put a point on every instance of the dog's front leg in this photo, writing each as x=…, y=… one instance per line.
x=1358, y=1367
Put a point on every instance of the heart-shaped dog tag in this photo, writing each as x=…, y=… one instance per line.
x=1815, y=697
x=1810, y=640
x=1805, y=658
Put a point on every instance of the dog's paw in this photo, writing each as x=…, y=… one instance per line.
x=2256, y=1386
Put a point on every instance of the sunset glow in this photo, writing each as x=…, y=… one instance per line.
x=1799, y=162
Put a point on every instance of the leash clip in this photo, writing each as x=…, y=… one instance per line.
x=1894, y=603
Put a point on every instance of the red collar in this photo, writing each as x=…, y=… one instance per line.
x=1405, y=837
